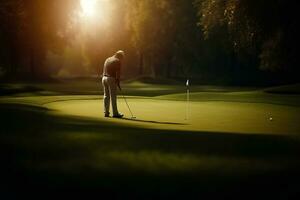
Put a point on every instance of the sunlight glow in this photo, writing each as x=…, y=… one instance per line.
x=88, y=7
x=96, y=11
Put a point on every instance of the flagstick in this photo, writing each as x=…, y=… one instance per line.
x=187, y=100
x=187, y=103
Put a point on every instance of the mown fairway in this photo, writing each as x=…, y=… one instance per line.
x=228, y=146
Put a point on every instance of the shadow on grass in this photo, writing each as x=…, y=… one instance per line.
x=48, y=152
x=150, y=121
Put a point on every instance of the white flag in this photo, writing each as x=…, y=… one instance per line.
x=187, y=83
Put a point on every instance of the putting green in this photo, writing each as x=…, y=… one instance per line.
x=214, y=116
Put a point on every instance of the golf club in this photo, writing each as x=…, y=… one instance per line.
x=132, y=117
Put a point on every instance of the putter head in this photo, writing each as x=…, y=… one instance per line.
x=133, y=117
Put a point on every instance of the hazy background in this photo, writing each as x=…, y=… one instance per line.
x=241, y=42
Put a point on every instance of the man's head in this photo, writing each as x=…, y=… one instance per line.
x=120, y=54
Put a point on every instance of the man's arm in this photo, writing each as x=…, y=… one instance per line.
x=118, y=76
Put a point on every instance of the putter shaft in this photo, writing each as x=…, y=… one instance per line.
x=127, y=106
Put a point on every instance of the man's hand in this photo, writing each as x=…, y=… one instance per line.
x=118, y=84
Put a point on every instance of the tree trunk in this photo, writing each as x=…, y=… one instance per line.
x=169, y=67
x=12, y=58
x=37, y=63
x=233, y=65
x=32, y=63
x=141, y=64
x=12, y=62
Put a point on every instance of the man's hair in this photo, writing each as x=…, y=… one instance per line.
x=120, y=54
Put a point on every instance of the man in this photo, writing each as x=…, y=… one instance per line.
x=110, y=82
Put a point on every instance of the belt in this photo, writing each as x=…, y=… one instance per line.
x=105, y=75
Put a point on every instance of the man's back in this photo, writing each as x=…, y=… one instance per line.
x=110, y=82
x=112, y=66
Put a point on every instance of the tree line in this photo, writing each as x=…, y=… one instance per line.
x=30, y=28
x=220, y=40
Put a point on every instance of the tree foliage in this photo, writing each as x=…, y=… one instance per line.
x=255, y=28
x=164, y=34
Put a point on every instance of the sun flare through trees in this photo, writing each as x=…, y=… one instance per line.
x=95, y=10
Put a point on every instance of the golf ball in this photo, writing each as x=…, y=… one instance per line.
x=271, y=118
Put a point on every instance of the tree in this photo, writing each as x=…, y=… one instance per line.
x=49, y=27
x=164, y=34
x=33, y=27
x=11, y=30
x=257, y=30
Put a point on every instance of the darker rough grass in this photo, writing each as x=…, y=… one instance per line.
x=30, y=137
x=10, y=89
x=284, y=89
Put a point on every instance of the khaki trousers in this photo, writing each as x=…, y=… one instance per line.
x=110, y=94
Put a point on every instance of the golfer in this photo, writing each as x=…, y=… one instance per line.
x=110, y=82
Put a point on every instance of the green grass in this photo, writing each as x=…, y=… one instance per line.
x=257, y=96
x=227, y=148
